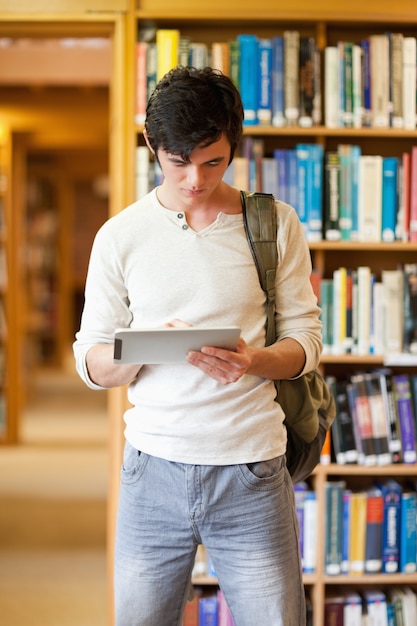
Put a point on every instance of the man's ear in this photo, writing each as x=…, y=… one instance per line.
x=145, y=134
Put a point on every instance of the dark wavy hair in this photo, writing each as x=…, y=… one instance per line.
x=192, y=107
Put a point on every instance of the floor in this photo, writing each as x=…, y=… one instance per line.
x=53, y=489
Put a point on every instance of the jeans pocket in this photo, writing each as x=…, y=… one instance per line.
x=263, y=475
x=133, y=463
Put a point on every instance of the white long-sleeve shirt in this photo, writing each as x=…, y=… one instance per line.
x=148, y=267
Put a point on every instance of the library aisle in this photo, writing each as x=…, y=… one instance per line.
x=53, y=490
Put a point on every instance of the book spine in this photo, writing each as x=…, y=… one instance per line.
x=331, y=87
x=378, y=418
x=248, y=77
x=167, y=42
x=402, y=393
x=310, y=532
x=397, y=42
x=374, y=527
x=409, y=82
x=334, y=529
x=410, y=309
x=278, y=114
x=408, y=533
x=357, y=533
x=379, y=60
x=331, y=196
x=389, y=198
x=413, y=196
x=345, y=192
x=208, y=611
x=364, y=419
x=315, y=210
x=346, y=507
x=366, y=82
x=391, y=527
x=291, y=76
x=306, y=69
x=265, y=86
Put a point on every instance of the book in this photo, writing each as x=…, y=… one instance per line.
x=412, y=220
x=406, y=418
x=167, y=45
x=364, y=282
x=389, y=198
x=220, y=56
x=391, y=492
x=357, y=532
x=291, y=76
x=334, y=527
x=331, y=196
x=345, y=192
x=326, y=316
x=264, y=82
x=396, y=79
x=352, y=611
x=379, y=69
x=393, y=427
x=363, y=418
x=277, y=81
x=300, y=490
x=370, y=198
x=248, y=76
x=304, y=180
x=339, y=310
x=333, y=610
x=225, y=617
x=408, y=532
x=310, y=533
x=190, y=616
x=331, y=87
x=374, y=527
x=409, y=82
x=376, y=604
x=208, y=611
x=378, y=417
x=343, y=437
x=315, y=197
x=346, y=500
x=366, y=82
x=393, y=283
x=410, y=308
x=306, y=78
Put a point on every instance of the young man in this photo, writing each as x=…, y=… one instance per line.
x=204, y=459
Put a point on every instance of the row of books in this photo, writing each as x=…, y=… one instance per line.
x=371, y=82
x=394, y=607
x=372, y=531
x=338, y=195
x=367, y=83
x=362, y=314
x=207, y=610
x=376, y=416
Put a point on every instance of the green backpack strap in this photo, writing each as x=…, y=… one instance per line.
x=261, y=227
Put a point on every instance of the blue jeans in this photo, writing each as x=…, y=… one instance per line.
x=243, y=514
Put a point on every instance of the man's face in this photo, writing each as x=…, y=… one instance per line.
x=195, y=180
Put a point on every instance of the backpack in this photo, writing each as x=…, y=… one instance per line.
x=307, y=401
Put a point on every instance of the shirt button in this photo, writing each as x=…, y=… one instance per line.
x=184, y=227
x=180, y=216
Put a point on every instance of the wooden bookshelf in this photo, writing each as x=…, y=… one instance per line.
x=328, y=23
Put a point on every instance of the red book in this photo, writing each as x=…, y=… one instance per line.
x=190, y=617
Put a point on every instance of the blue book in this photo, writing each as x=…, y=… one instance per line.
x=208, y=608
x=345, y=192
x=281, y=158
x=406, y=420
x=389, y=198
x=345, y=564
x=391, y=492
x=277, y=98
x=248, y=77
x=269, y=174
x=291, y=177
x=265, y=82
x=408, y=533
x=304, y=182
x=315, y=206
x=355, y=152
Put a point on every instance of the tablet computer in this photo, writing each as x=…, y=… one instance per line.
x=169, y=345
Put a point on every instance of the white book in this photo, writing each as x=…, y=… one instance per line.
x=379, y=55
x=357, y=86
x=393, y=283
x=331, y=87
x=310, y=532
x=370, y=198
x=364, y=309
x=409, y=82
x=376, y=603
x=352, y=610
x=378, y=319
